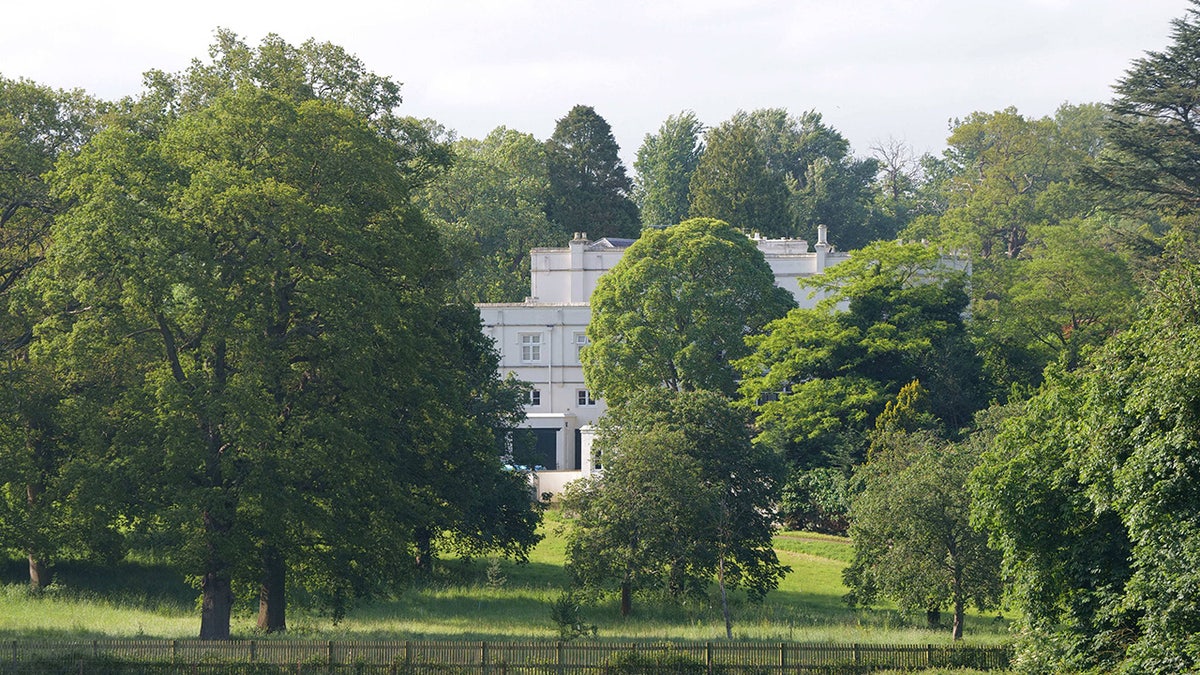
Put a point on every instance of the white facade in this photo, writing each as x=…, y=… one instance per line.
x=539, y=339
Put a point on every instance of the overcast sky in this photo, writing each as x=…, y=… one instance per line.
x=876, y=69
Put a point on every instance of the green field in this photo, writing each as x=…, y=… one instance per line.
x=464, y=602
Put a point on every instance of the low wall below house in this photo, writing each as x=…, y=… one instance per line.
x=552, y=481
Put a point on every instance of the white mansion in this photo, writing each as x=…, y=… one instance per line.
x=539, y=339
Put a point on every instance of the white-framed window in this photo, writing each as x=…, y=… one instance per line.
x=531, y=347
x=584, y=397
x=535, y=397
x=580, y=341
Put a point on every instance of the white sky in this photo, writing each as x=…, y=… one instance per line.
x=876, y=69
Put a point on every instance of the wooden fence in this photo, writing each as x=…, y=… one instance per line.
x=292, y=656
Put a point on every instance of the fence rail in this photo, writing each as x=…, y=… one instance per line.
x=293, y=656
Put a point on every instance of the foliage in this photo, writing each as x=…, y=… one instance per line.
x=1071, y=290
x=1141, y=462
x=1152, y=151
x=589, y=189
x=816, y=500
x=684, y=496
x=781, y=175
x=301, y=397
x=665, y=164
x=674, y=310
x=733, y=183
x=913, y=540
x=42, y=513
x=1105, y=459
x=489, y=207
x=1009, y=173
x=891, y=314
x=565, y=613
x=1067, y=561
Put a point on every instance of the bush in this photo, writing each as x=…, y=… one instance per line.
x=565, y=612
x=816, y=500
x=653, y=662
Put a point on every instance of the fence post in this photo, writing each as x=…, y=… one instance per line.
x=329, y=652
x=174, y=650
x=14, y=653
x=253, y=651
x=928, y=656
x=857, y=654
x=483, y=657
x=782, y=657
x=95, y=649
x=708, y=659
x=558, y=655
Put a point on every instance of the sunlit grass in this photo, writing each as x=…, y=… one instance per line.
x=465, y=604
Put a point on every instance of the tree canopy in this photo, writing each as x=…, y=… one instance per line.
x=39, y=410
x=674, y=311
x=891, y=314
x=589, y=189
x=1152, y=152
x=913, y=538
x=302, y=390
x=733, y=183
x=489, y=208
x=665, y=163
x=685, y=497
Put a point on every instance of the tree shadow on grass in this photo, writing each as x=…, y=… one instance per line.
x=132, y=583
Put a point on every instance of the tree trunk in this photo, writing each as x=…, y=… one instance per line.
x=626, y=598
x=39, y=576
x=959, y=612
x=424, y=542
x=724, y=597
x=216, y=591
x=933, y=618
x=272, y=600
x=216, y=603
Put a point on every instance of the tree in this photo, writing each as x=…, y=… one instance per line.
x=910, y=524
x=1071, y=290
x=673, y=312
x=958, y=566
x=250, y=252
x=1008, y=173
x=733, y=183
x=891, y=314
x=685, y=496
x=37, y=126
x=765, y=156
x=840, y=192
x=1107, y=455
x=589, y=190
x=665, y=164
x=489, y=208
x=1140, y=460
x=1066, y=559
x=1151, y=150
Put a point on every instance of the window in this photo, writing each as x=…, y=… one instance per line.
x=531, y=347
x=584, y=397
x=535, y=397
x=581, y=341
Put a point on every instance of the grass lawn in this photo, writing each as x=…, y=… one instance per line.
x=465, y=604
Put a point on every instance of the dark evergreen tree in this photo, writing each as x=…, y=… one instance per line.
x=1152, y=154
x=733, y=183
x=589, y=189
